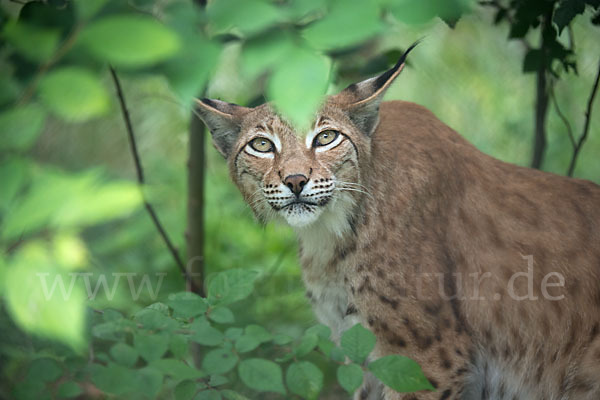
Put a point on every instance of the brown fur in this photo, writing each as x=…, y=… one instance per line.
x=432, y=233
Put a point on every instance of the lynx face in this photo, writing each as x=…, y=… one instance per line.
x=297, y=176
x=301, y=177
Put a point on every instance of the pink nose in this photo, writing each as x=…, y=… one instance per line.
x=295, y=183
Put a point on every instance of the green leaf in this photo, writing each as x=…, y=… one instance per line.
x=221, y=315
x=113, y=330
x=43, y=301
x=88, y=8
x=233, y=333
x=60, y=200
x=217, y=380
x=532, y=61
x=357, y=342
x=298, y=9
x=151, y=347
x=246, y=343
x=44, y=370
x=20, y=127
x=261, y=375
x=124, y=354
x=129, y=41
x=420, y=12
x=177, y=369
x=307, y=344
x=320, y=330
x=566, y=11
x=187, y=304
x=219, y=361
x=326, y=346
x=208, y=395
x=68, y=390
x=74, y=94
x=337, y=355
x=301, y=75
x=205, y=334
x=189, y=70
x=160, y=307
x=304, y=379
x=185, y=390
x=400, y=373
x=248, y=16
x=350, y=377
x=262, y=53
x=113, y=379
x=179, y=346
x=148, y=382
x=231, y=286
x=282, y=339
x=110, y=315
x=231, y=395
x=253, y=336
x=35, y=43
x=348, y=23
x=258, y=332
x=13, y=175
x=153, y=319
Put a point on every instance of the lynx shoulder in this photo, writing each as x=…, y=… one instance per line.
x=485, y=273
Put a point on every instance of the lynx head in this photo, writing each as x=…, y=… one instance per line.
x=301, y=177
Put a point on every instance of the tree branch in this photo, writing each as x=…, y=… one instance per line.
x=141, y=181
x=586, y=125
x=563, y=118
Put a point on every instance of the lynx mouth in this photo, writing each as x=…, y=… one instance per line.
x=300, y=202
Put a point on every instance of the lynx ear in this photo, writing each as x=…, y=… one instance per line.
x=224, y=122
x=361, y=100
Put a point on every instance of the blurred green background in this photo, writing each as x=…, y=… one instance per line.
x=470, y=75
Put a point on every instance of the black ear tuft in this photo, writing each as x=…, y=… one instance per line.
x=361, y=100
x=383, y=78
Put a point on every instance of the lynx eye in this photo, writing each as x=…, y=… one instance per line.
x=326, y=137
x=262, y=145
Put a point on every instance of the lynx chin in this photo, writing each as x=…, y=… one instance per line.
x=485, y=273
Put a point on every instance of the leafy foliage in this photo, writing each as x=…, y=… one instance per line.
x=67, y=224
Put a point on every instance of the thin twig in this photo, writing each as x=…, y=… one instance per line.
x=586, y=125
x=562, y=117
x=141, y=181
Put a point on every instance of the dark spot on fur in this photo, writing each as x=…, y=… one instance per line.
x=444, y=360
x=433, y=382
x=391, y=302
x=397, y=340
x=366, y=284
x=364, y=394
x=432, y=309
x=351, y=309
x=446, y=394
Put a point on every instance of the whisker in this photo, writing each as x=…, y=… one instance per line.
x=341, y=189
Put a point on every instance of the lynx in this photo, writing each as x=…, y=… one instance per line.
x=485, y=273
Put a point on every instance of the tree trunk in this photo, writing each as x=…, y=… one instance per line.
x=541, y=100
x=195, y=205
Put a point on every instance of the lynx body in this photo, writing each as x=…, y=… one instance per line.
x=485, y=273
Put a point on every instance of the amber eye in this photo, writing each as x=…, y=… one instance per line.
x=262, y=145
x=325, y=137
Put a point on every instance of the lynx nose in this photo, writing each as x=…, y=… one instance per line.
x=295, y=183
